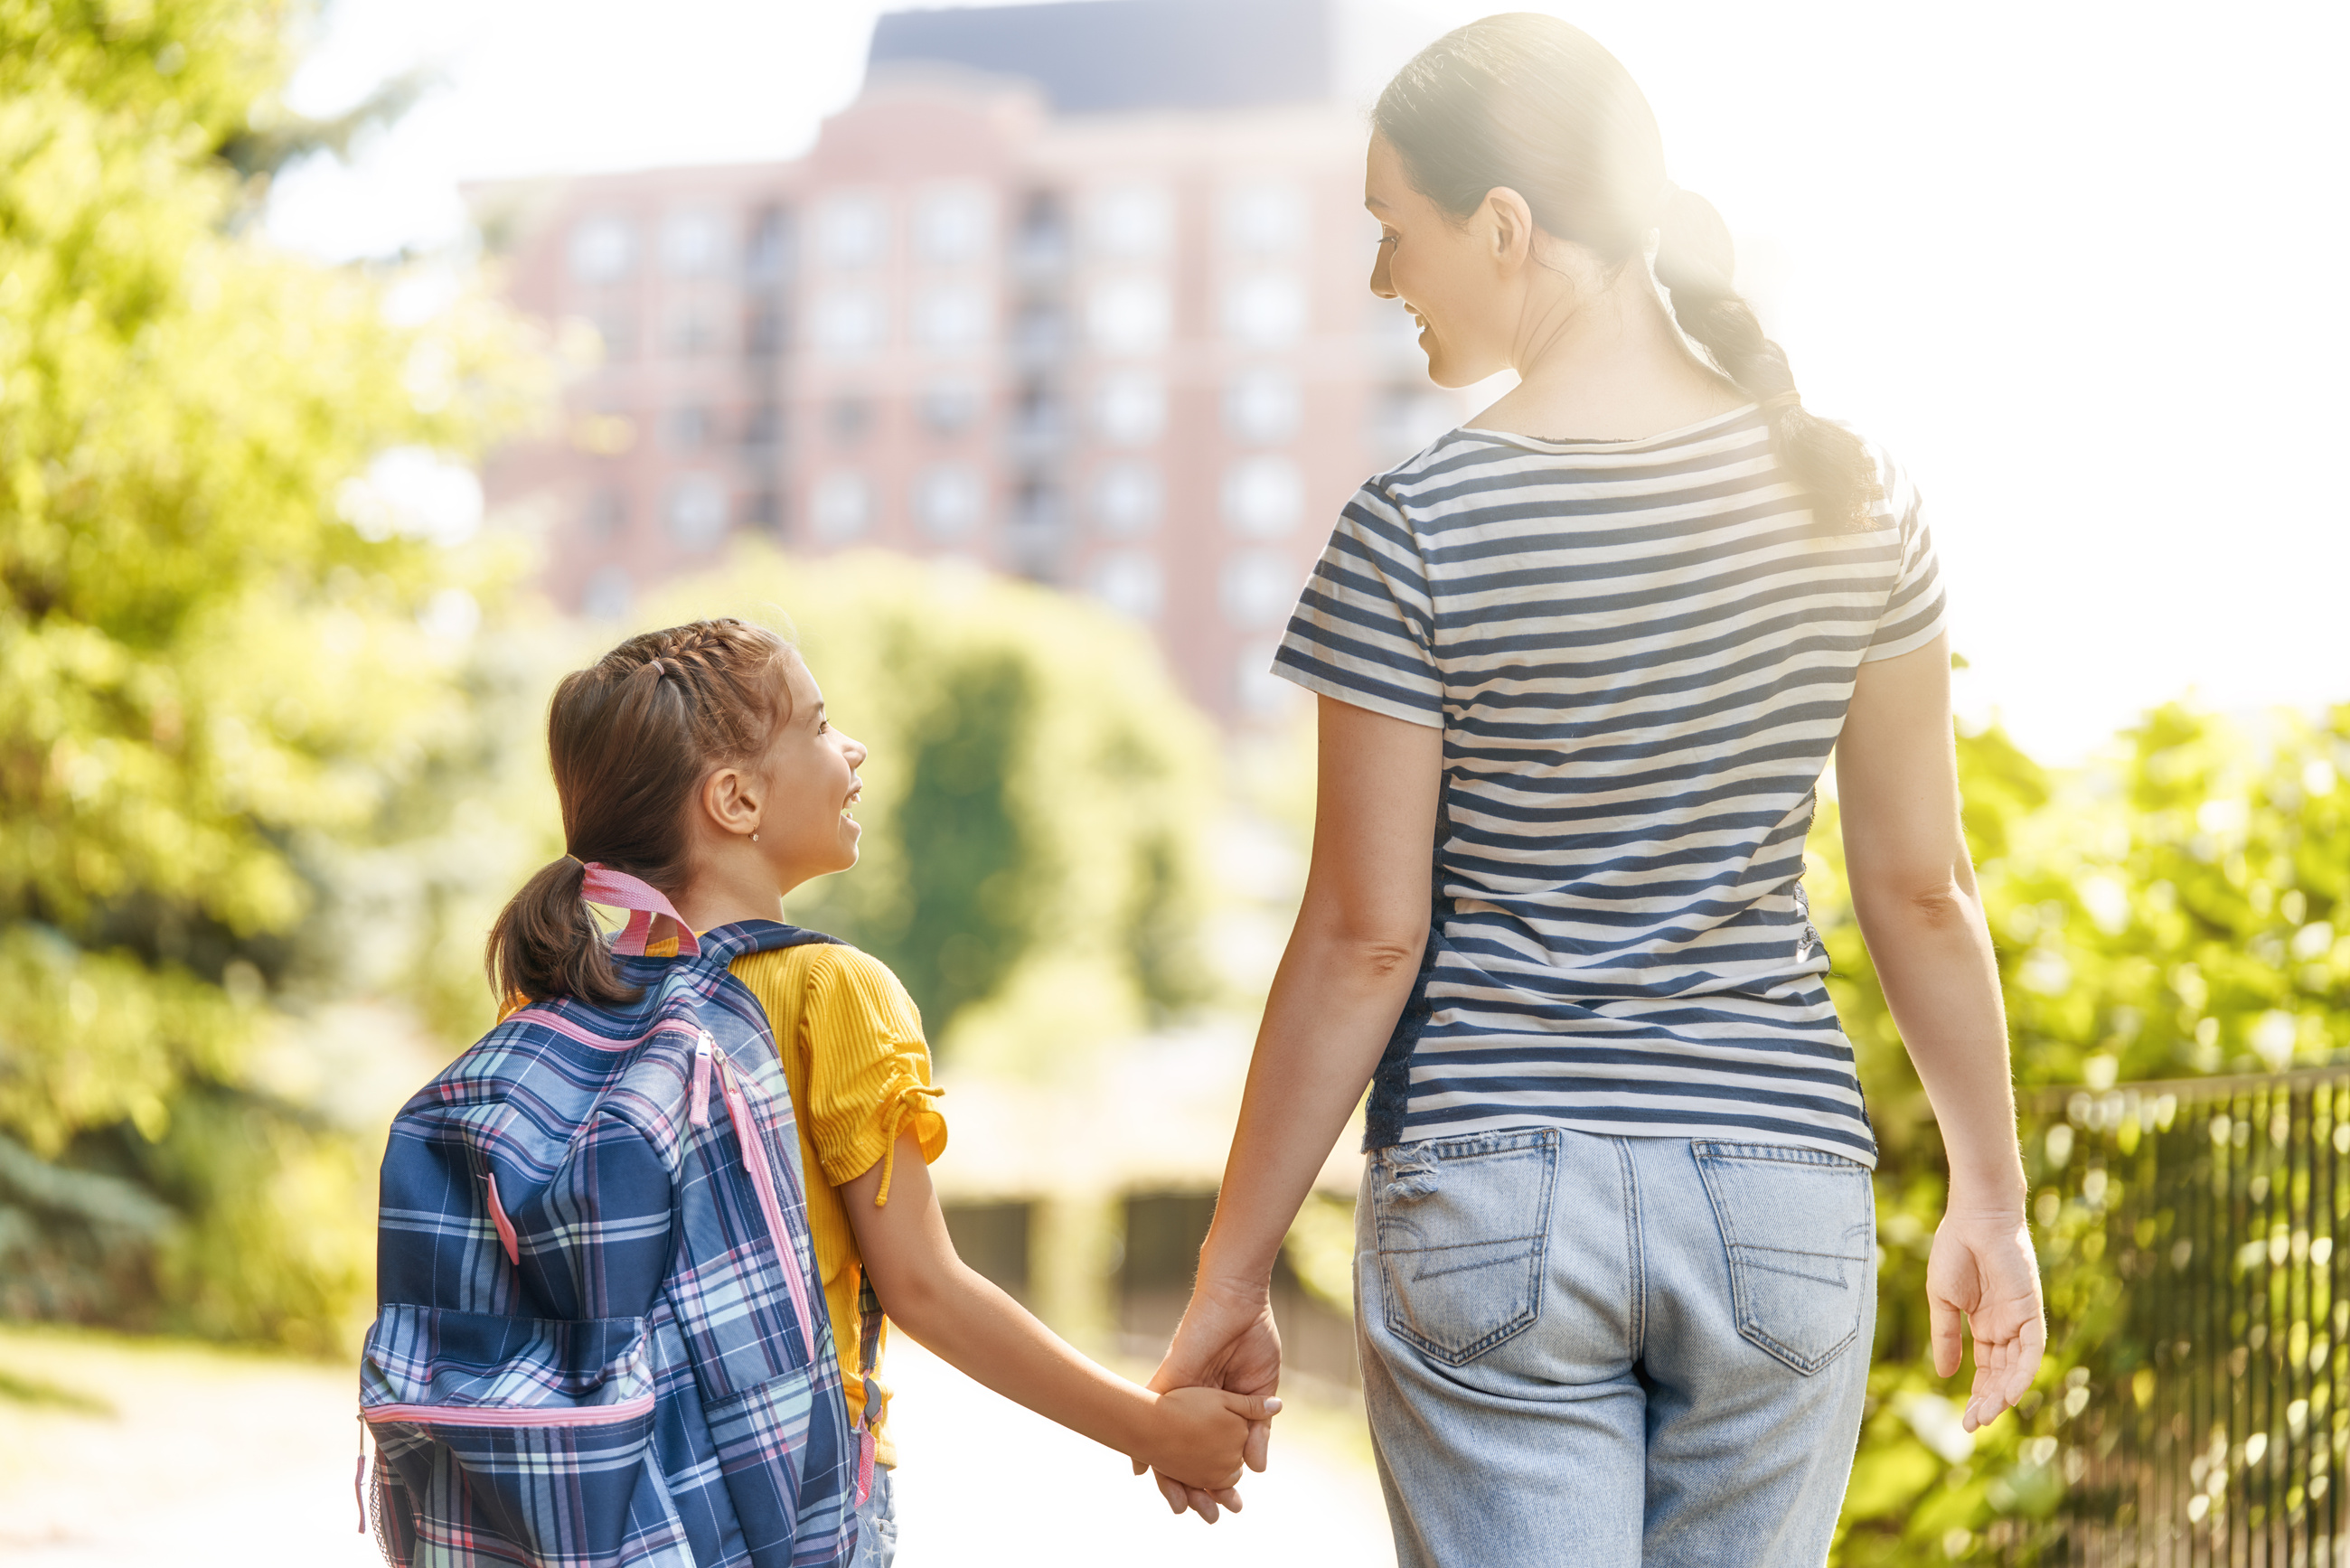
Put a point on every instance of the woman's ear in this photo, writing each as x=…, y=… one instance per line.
x=1512, y=226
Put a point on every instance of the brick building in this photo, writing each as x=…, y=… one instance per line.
x=1074, y=292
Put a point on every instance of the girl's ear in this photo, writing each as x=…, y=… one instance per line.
x=730, y=799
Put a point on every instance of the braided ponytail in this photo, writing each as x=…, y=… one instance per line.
x=629, y=741
x=1526, y=101
x=1694, y=264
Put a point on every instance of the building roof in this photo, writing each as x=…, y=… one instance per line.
x=1092, y=56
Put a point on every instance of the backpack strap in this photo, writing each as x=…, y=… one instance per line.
x=869, y=1360
x=618, y=890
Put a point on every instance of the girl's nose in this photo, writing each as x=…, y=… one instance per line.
x=854, y=750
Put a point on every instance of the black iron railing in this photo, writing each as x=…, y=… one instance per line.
x=2190, y=1238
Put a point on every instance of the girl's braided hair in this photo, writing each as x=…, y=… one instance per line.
x=629, y=740
x=1527, y=103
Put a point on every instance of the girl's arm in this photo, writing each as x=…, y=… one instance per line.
x=1196, y=1434
x=1344, y=980
x=1913, y=888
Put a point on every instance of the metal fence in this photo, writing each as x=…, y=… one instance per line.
x=2190, y=1235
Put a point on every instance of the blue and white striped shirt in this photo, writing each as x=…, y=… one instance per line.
x=1640, y=653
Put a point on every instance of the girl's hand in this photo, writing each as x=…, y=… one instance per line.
x=1197, y=1435
x=1227, y=1339
x=1982, y=1266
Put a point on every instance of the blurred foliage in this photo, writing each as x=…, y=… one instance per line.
x=2175, y=908
x=219, y=666
x=1034, y=805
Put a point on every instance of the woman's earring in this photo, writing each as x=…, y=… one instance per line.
x=754, y=836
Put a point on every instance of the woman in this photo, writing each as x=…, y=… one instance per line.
x=1615, y=1274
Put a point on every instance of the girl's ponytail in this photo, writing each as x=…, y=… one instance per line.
x=546, y=944
x=1526, y=101
x=1695, y=262
x=629, y=741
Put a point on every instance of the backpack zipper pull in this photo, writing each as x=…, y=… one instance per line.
x=699, y=1104
x=358, y=1475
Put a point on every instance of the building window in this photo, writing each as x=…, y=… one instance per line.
x=608, y=594
x=842, y=506
x=1265, y=311
x=1040, y=331
x=767, y=249
x=951, y=224
x=763, y=426
x=763, y=329
x=607, y=512
x=950, y=501
x=1132, y=222
x=615, y=333
x=687, y=428
x=1040, y=421
x=1263, y=497
x=1129, y=315
x=1259, y=589
x=1262, y=407
x=690, y=244
x=762, y=510
x=951, y=317
x=1127, y=499
x=696, y=511
x=1264, y=220
x=691, y=331
x=848, y=417
x=949, y=406
x=1130, y=408
x=1040, y=246
x=852, y=230
x=1131, y=583
x=848, y=321
x=602, y=250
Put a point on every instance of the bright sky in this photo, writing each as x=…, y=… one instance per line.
x=2078, y=265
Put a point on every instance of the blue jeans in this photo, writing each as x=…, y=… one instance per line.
x=877, y=1522
x=1611, y=1351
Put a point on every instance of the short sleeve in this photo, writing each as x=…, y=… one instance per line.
x=868, y=1067
x=1915, y=611
x=1364, y=630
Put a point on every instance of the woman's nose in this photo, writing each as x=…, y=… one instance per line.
x=1381, y=283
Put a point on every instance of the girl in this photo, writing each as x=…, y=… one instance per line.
x=701, y=760
x=1614, y=1270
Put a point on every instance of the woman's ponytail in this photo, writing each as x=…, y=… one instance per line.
x=1695, y=262
x=1526, y=101
x=546, y=944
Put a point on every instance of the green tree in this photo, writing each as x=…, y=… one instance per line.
x=213, y=668
x=2173, y=909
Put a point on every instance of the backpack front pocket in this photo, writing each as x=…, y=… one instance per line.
x=521, y=1441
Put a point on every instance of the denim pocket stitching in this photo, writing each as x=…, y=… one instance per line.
x=1470, y=1149
x=1738, y=1256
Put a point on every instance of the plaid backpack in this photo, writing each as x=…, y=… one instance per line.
x=601, y=1340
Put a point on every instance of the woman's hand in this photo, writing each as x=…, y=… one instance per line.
x=1227, y=1340
x=1982, y=1266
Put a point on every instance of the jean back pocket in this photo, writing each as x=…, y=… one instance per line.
x=1463, y=1227
x=1799, y=1227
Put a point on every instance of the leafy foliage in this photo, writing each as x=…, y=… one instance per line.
x=2176, y=909
x=205, y=672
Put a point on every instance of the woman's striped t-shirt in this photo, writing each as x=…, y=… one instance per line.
x=1640, y=653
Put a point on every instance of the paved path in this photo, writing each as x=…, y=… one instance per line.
x=149, y=1453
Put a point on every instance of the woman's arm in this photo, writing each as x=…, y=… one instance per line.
x=1913, y=889
x=1343, y=980
x=1195, y=1434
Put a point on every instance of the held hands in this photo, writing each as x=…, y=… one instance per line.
x=1227, y=1340
x=1197, y=1435
x=1982, y=1267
